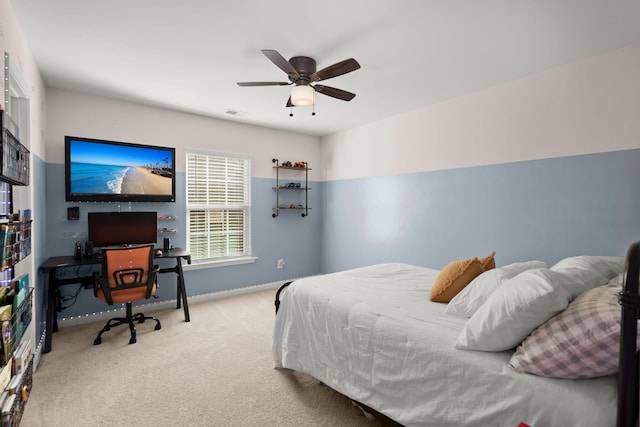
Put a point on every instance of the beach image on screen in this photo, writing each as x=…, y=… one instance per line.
x=98, y=168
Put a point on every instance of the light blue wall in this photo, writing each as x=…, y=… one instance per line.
x=288, y=236
x=543, y=209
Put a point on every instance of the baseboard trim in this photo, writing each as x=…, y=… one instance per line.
x=64, y=322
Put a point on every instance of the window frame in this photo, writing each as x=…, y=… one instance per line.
x=245, y=205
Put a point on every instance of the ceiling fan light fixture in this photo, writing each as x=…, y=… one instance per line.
x=302, y=95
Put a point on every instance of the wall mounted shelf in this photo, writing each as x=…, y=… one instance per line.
x=291, y=186
x=166, y=230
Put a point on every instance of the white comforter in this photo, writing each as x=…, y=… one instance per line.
x=372, y=334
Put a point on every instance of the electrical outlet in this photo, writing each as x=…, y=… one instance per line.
x=281, y=263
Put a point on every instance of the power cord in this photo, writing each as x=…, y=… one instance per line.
x=69, y=297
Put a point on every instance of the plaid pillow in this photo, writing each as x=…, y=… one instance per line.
x=580, y=342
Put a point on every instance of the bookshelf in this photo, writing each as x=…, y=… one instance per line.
x=16, y=293
x=14, y=163
x=15, y=242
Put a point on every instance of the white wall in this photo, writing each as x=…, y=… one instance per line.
x=586, y=107
x=13, y=42
x=76, y=114
x=32, y=136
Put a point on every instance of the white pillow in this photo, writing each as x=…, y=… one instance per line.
x=531, y=298
x=476, y=293
x=514, y=310
x=590, y=270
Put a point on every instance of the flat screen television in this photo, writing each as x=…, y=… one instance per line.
x=110, y=171
x=122, y=228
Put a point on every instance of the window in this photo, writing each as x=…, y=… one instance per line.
x=218, y=206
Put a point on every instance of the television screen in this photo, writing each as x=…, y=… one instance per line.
x=110, y=171
x=122, y=228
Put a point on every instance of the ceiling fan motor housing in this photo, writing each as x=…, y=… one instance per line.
x=304, y=65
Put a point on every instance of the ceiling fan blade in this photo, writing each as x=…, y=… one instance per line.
x=342, y=67
x=264, y=83
x=335, y=93
x=275, y=57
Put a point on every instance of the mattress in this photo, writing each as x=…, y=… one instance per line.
x=373, y=335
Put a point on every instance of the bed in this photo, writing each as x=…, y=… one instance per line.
x=374, y=335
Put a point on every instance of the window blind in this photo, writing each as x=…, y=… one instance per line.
x=218, y=206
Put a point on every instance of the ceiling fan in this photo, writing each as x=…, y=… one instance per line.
x=302, y=73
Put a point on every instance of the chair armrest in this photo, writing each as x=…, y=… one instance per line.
x=152, y=280
x=100, y=283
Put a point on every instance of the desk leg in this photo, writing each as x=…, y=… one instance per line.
x=178, y=287
x=51, y=324
x=182, y=292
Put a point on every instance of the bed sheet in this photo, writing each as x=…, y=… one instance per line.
x=372, y=334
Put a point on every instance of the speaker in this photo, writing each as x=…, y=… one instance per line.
x=77, y=252
x=166, y=244
x=88, y=249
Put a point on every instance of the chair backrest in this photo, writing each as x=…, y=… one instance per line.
x=127, y=265
x=128, y=274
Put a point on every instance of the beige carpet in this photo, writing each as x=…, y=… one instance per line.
x=216, y=370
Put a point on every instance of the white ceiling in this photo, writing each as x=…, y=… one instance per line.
x=188, y=55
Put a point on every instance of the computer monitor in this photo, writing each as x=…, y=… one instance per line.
x=122, y=228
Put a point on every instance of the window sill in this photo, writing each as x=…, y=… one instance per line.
x=197, y=265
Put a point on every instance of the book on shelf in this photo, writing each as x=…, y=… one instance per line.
x=8, y=410
x=20, y=283
x=22, y=356
x=3, y=294
x=4, y=394
x=5, y=252
x=5, y=375
x=20, y=296
x=5, y=327
x=25, y=215
x=7, y=295
x=21, y=312
x=15, y=384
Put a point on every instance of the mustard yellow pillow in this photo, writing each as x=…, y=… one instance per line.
x=489, y=262
x=454, y=277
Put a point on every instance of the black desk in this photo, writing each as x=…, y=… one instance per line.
x=55, y=264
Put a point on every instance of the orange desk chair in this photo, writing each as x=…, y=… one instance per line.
x=128, y=275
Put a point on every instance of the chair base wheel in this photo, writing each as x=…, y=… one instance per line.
x=129, y=320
